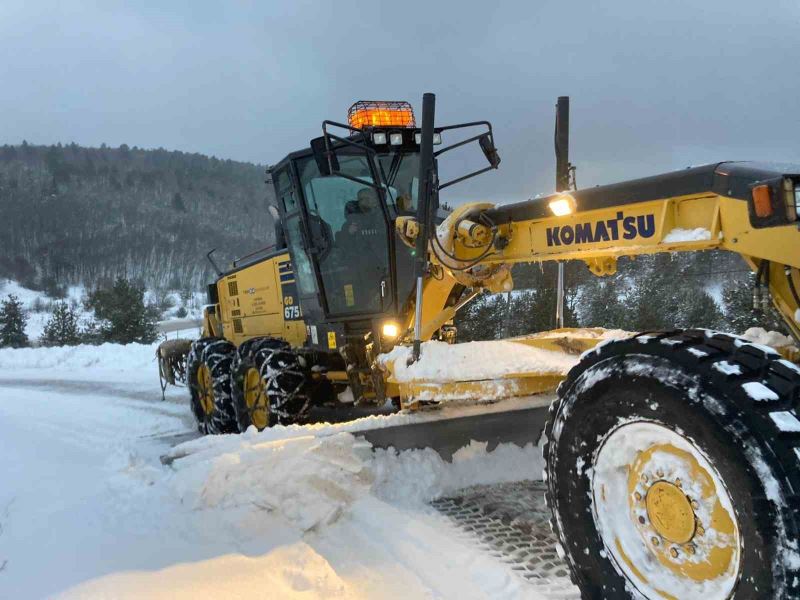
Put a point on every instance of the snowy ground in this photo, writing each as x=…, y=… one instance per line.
x=87, y=509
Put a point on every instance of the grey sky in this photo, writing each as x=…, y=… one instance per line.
x=654, y=85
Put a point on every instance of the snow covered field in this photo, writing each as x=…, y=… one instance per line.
x=87, y=509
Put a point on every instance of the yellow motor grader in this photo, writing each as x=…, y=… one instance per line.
x=673, y=457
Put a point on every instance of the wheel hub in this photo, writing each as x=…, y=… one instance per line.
x=206, y=389
x=255, y=398
x=664, y=514
x=670, y=512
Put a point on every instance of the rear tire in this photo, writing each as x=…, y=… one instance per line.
x=283, y=394
x=677, y=400
x=209, y=380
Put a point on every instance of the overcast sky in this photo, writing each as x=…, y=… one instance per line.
x=654, y=85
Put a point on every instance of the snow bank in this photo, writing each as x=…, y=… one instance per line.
x=289, y=571
x=758, y=335
x=687, y=235
x=311, y=481
x=117, y=357
x=441, y=362
x=308, y=481
x=417, y=476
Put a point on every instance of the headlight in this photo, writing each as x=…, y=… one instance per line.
x=395, y=139
x=379, y=137
x=390, y=330
x=562, y=205
x=437, y=138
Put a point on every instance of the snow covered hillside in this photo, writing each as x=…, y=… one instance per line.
x=39, y=307
x=87, y=509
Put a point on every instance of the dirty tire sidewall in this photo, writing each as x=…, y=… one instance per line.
x=624, y=387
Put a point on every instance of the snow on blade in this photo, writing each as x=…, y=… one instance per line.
x=759, y=335
x=441, y=362
x=687, y=235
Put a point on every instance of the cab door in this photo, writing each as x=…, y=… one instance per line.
x=301, y=267
x=349, y=232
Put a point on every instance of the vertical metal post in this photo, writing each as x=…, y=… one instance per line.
x=560, y=296
x=424, y=199
x=562, y=184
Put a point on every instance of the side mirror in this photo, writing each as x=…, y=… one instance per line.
x=489, y=151
x=327, y=163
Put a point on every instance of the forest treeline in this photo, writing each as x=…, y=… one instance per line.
x=76, y=215
x=712, y=289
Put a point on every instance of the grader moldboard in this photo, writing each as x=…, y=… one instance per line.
x=672, y=458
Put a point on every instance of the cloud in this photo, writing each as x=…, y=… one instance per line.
x=654, y=86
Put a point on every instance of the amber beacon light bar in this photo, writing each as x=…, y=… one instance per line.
x=380, y=113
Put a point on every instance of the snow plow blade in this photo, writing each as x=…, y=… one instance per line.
x=446, y=436
x=560, y=348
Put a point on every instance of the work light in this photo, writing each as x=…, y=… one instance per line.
x=390, y=330
x=379, y=137
x=437, y=138
x=395, y=139
x=562, y=205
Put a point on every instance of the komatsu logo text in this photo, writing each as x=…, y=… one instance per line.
x=622, y=227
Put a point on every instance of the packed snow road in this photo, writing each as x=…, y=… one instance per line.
x=87, y=508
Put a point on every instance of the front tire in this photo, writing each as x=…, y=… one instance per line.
x=672, y=469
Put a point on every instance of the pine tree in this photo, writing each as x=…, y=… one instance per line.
x=698, y=309
x=90, y=333
x=737, y=299
x=602, y=306
x=482, y=319
x=62, y=327
x=177, y=202
x=124, y=317
x=12, y=323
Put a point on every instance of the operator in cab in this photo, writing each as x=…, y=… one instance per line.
x=362, y=220
x=357, y=242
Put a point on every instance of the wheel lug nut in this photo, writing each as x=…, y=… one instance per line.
x=690, y=549
x=638, y=496
x=654, y=540
x=641, y=520
x=644, y=477
x=660, y=473
x=673, y=552
x=695, y=505
x=700, y=530
x=678, y=482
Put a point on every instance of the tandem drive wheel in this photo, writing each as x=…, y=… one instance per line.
x=270, y=384
x=208, y=370
x=673, y=469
